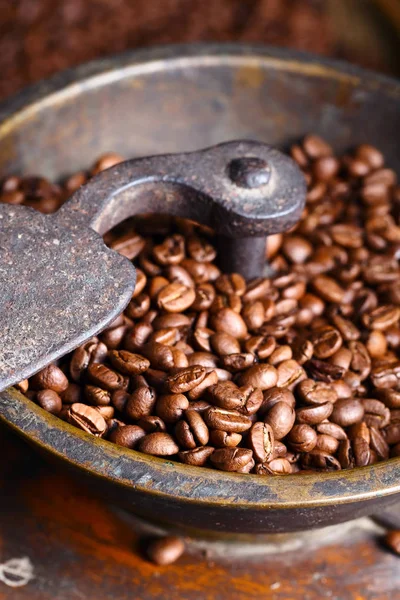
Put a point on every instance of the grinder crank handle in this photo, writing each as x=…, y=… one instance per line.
x=244, y=190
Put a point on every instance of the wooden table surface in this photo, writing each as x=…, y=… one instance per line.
x=81, y=548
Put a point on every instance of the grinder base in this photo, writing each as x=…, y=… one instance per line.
x=80, y=547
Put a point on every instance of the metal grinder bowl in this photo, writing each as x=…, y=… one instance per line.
x=177, y=99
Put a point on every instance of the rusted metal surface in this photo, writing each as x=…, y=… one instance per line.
x=179, y=100
x=61, y=285
x=203, y=502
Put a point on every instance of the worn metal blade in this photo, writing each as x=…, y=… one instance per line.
x=58, y=288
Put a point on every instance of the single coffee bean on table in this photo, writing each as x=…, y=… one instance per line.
x=293, y=372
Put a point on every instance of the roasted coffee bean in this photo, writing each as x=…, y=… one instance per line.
x=72, y=394
x=127, y=435
x=327, y=443
x=359, y=430
x=128, y=363
x=50, y=378
x=231, y=459
x=107, y=412
x=202, y=359
x=196, y=457
x=302, y=350
x=277, y=466
x=261, y=441
x=171, y=407
x=97, y=396
x=175, y=297
x=326, y=341
x=297, y=249
x=129, y=245
x=152, y=424
x=390, y=398
x=222, y=374
x=382, y=318
x=82, y=357
x=226, y=395
x=376, y=414
x=87, y=418
x=171, y=320
x=347, y=412
x=231, y=284
x=332, y=429
x=171, y=251
x=105, y=378
x=223, y=439
x=137, y=336
x=361, y=361
x=386, y=376
x=140, y=403
x=158, y=444
x=113, y=336
x=50, y=401
x=238, y=362
x=342, y=358
x=138, y=306
x=328, y=289
x=280, y=354
x=314, y=392
x=185, y=379
x=156, y=285
x=253, y=315
x=260, y=376
x=275, y=395
x=248, y=467
x=302, y=438
x=290, y=373
x=256, y=289
x=316, y=459
x=345, y=454
x=228, y=321
x=253, y=398
x=392, y=541
x=281, y=418
x=376, y=344
x=379, y=444
x=324, y=371
x=315, y=147
x=200, y=250
x=209, y=380
x=361, y=452
x=262, y=346
x=160, y=355
x=392, y=434
x=205, y=296
x=230, y=421
x=166, y=550
x=312, y=415
x=22, y=386
x=192, y=431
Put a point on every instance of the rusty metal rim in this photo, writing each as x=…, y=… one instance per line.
x=102, y=71
x=134, y=470
x=153, y=475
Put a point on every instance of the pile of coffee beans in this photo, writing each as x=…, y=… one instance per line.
x=278, y=375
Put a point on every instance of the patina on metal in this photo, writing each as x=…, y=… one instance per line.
x=61, y=285
x=180, y=99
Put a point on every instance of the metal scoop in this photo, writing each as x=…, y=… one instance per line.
x=60, y=285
